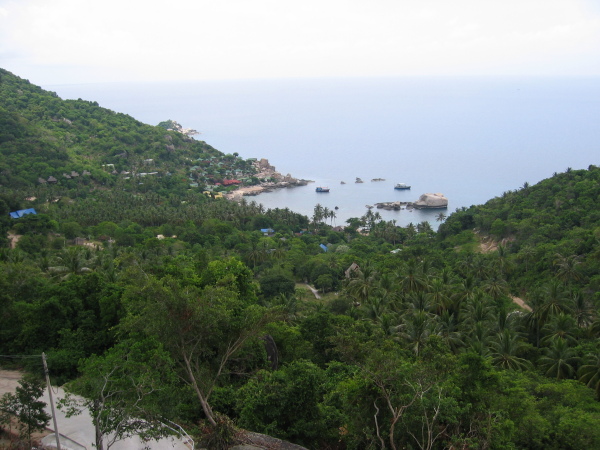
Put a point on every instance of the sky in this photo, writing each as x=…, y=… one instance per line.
x=84, y=41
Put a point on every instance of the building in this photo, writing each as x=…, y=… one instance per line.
x=22, y=212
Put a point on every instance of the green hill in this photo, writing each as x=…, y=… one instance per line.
x=43, y=136
x=551, y=229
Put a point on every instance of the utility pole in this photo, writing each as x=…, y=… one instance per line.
x=51, y=401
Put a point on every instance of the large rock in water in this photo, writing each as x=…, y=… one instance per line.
x=431, y=201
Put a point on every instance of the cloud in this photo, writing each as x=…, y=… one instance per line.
x=204, y=39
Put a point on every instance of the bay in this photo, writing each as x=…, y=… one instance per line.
x=469, y=138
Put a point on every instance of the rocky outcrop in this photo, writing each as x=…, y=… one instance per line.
x=268, y=172
x=431, y=201
x=271, y=180
x=391, y=206
x=248, y=440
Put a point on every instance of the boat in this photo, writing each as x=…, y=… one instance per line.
x=358, y=180
x=378, y=179
x=322, y=189
x=401, y=186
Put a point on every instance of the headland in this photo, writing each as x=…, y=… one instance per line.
x=270, y=178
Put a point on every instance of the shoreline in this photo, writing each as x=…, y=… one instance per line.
x=266, y=171
x=247, y=191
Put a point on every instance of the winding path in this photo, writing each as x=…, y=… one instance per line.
x=312, y=289
x=521, y=303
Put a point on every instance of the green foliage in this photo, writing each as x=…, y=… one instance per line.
x=25, y=405
x=276, y=283
x=423, y=347
x=126, y=391
x=219, y=436
x=286, y=404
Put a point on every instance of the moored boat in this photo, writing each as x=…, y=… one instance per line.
x=401, y=186
x=322, y=189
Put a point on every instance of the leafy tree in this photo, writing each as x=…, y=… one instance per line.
x=26, y=406
x=202, y=330
x=124, y=393
x=276, y=283
x=287, y=404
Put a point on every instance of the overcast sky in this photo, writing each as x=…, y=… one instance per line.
x=80, y=41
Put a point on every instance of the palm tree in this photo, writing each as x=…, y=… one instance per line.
x=495, y=288
x=559, y=361
x=71, y=261
x=478, y=310
x=416, y=328
x=589, y=373
x=325, y=213
x=419, y=301
x=387, y=290
x=582, y=310
x=560, y=327
x=526, y=255
x=332, y=216
x=568, y=268
x=505, y=350
x=424, y=227
x=438, y=295
x=448, y=330
x=466, y=291
x=363, y=284
x=411, y=231
x=317, y=214
x=375, y=309
x=507, y=319
x=440, y=217
x=503, y=263
x=413, y=280
x=554, y=300
x=256, y=253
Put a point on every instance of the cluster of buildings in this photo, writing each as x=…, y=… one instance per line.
x=68, y=176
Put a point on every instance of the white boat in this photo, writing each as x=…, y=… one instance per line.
x=401, y=186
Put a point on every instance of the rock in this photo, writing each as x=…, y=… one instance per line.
x=433, y=201
x=249, y=440
x=389, y=205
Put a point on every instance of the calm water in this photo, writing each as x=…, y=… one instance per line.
x=468, y=138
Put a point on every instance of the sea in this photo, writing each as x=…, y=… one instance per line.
x=469, y=138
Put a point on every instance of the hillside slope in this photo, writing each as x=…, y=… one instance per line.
x=43, y=136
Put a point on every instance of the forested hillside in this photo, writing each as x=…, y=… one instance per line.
x=481, y=335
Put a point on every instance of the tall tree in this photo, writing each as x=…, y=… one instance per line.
x=202, y=330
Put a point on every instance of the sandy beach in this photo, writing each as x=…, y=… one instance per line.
x=244, y=191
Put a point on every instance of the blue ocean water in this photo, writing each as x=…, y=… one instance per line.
x=468, y=138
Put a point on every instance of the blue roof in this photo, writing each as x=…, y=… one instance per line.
x=267, y=230
x=323, y=246
x=22, y=212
